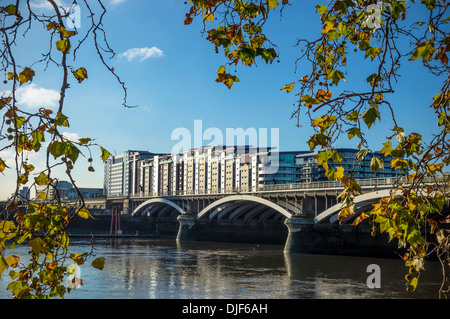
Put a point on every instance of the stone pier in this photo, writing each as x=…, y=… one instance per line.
x=300, y=238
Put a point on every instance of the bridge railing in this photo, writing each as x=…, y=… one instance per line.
x=371, y=183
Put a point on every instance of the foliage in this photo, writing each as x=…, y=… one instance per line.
x=42, y=223
x=386, y=35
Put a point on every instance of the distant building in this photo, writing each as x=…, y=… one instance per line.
x=66, y=191
x=218, y=169
x=311, y=172
x=288, y=171
x=24, y=193
x=122, y=172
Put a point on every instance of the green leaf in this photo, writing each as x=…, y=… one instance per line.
x=84, y=141
x=11, y=9
x=42, y=180
x=99, y=263
x=424, y=50
x=353, y=116
x=71, y=151
x=3, y=265
x=376, y=164
x=335, y=76
x=317, y=139
x=321, y=9
x=361, y=154
x=387, y=148
x=354, y=131
x=105, y=154
x=385, y=223
x=38, y=138
x=369, y=116
x=373, y=52
x=373, y=80
x=61, y=120
x=68, y=149
x=37, y=245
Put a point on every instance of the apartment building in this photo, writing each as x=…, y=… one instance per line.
x=311, y=172
x=218, y=169
x=122, y=173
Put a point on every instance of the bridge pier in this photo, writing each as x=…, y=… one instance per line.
x=186, y=230
x=300, y=238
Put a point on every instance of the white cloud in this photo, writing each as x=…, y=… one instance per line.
x=142, y=54
x=74, y=137
x=117, y=2
x=33, y=96
x=45, y=5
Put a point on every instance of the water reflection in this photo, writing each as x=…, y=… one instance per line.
x=164, y=268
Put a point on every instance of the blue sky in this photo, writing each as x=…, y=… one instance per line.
x=173, y=83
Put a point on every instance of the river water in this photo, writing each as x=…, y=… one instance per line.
x=165, y=269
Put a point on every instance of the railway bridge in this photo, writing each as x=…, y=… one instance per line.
x=301, y=216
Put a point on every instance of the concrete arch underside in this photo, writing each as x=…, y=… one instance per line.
x=158, y=207
x=243, y=209
x=363, y=203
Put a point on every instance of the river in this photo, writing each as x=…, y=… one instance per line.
x=165, y=269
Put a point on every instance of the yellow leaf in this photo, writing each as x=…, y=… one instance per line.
x=329, y=26
x=80, y=74
x=84, y=213
x=360, y=218
x=26, y=75
x=63, y=46
x=339, y=173
x=12, y=261
x=209, y=17
x=288, y=87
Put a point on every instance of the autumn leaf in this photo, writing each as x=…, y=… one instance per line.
x=79, y=259
x=272, y=4
x=26, y=75
x=328, y=26
x=80, y=74
x=63, y=46
x=376, y=164
x=3, y=165
x=339, y=173
x=209, y=17
x=322, y=95
x=105, y=154
x=42, y=179
x=226, y=78
x=98, y=263
x=424, y=50
x=65, y=33
x=288, y=87
x=84, y=213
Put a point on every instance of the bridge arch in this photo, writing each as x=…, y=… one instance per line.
x=156, y=201
x=360, y=201
x=229, y=200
